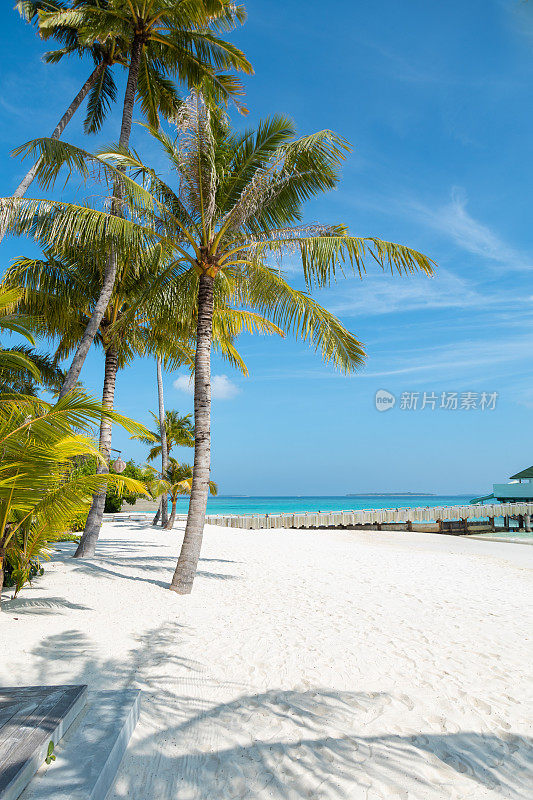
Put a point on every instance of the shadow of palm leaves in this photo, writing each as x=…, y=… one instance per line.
x=108, y=566
x=285, y=761
x=278, y=744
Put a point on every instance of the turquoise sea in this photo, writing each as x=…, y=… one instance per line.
x=227, y=504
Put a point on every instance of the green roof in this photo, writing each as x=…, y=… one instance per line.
x=526, y=473
x=476, y=500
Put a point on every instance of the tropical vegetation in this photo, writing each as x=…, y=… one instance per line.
x=178, y=266
x=155, y=39
x=41, y=492
x=237, y=204
x=177, y=480
x=173, y=430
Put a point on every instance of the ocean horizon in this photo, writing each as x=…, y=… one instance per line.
x=297, y=504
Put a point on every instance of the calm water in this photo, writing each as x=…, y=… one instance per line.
x=296, y=505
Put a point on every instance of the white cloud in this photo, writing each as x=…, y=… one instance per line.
x=184, y=384
x=454, y=220
x=221, y=386
x=385, y=294
x=474, y=358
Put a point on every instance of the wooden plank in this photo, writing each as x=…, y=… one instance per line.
x=26, y=733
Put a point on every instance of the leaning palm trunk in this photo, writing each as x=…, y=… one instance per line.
x=170, y=523
x=110, y=271
x=87, y=545
x=164, y=445
x=185, y=571
x=26, y=182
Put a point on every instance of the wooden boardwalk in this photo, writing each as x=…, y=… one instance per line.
x=441, y=517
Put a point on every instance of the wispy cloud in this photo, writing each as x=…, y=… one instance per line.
x=455, y=221
x=221, y=387
x=452, y=219
x=477, y=359
x=383, y=293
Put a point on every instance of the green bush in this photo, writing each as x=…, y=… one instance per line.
x=114, y=500
x=13, y=574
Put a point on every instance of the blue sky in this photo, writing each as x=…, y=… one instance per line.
x=436, y=102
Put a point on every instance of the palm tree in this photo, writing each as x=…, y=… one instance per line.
x=163, y=38
x=40, y=491
x=177, y=480
x=237, y=205
x=100, y=85
x=60, y=293
x=175, y=430
x=157, y=93
x=178, y=430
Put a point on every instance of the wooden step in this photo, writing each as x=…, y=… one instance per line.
x=89, y=756
x=30, y=718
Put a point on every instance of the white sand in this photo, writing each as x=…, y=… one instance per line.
x=304, y=665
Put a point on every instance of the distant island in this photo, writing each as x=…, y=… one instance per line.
x=393, y=494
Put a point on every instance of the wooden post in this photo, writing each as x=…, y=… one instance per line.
x=491, y=523
x=465, y=524
x=506, y=522
x=520, y=522
x=527, y=523
x=409, y=525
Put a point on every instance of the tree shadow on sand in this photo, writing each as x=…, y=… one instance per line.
x=272, y=745
x=281, y=744
x=40, y=605
x=109, y=561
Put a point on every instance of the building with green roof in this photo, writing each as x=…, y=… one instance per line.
x=519, y=490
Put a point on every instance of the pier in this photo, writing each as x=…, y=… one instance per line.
x=455, y=520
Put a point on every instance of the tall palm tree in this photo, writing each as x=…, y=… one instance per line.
x=164, y=38
x=177, y=480
x=99, y=86
x=237, y=205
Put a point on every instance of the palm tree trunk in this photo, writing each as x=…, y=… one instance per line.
x=164, y=444
x=26, y=182
x=157, y=515
x=111, y=265
x=87, y=545
x=170, y=522
x=192, y=542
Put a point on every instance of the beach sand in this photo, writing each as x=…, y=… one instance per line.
x=316, y=665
